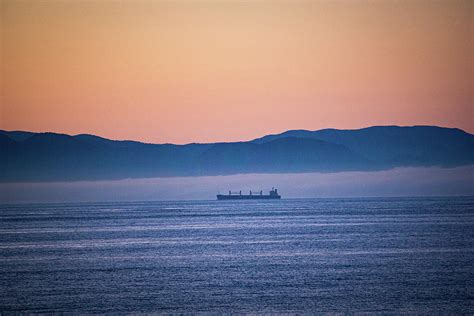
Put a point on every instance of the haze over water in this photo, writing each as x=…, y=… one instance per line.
x=403, y=255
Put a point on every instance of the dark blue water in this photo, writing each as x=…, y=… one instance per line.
x=298, y=256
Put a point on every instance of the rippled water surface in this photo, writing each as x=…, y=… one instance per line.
x=410, y=255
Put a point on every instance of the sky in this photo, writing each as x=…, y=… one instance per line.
x=205, y=71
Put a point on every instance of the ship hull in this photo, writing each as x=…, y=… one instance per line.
x=248, y=197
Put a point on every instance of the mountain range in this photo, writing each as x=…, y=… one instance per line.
x=38, y=157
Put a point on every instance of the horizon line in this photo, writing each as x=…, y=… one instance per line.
x=246, y=201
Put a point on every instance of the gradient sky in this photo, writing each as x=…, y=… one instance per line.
x=201, y=71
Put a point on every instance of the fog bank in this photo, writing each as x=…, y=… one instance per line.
x=396, y=182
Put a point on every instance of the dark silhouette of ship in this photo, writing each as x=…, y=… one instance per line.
x=273, y=195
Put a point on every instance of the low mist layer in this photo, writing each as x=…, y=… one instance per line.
x=396, y=182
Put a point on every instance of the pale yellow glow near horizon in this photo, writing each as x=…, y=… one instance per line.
x=202, y=71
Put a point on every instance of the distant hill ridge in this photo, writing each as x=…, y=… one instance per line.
x=27, y=156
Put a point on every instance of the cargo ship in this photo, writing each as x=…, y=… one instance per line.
x=273, y=195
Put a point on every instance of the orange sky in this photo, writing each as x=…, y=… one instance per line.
x=185, y=71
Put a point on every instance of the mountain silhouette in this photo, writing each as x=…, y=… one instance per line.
x=35, y=157
x=393, y=146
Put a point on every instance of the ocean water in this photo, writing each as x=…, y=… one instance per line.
x=397, y=255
